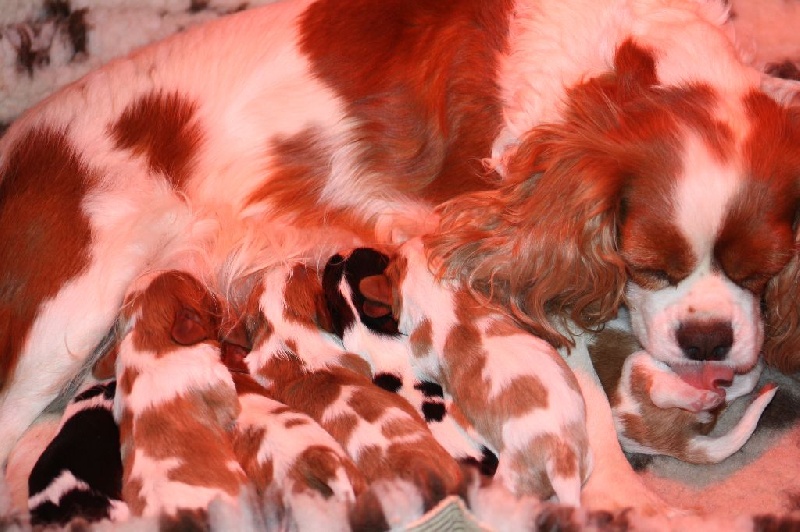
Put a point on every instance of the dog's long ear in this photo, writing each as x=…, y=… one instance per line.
x=781, y=301
x=782, y=317
x=544, y=244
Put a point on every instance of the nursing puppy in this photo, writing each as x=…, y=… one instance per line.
x=512, y=387
x=302, y=365
x=79, y=473
x=193, y=431
x=176, y=404
x=366, y=326
x=562, y=157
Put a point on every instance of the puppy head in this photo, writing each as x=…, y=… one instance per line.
x=679, y=201
x=178, y=311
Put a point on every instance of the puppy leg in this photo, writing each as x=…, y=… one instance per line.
x=175, y=402
x=707, y=449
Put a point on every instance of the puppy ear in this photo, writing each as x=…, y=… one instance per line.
x=188, y=327
x=378, y=298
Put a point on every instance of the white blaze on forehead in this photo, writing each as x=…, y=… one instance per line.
x=704, y=188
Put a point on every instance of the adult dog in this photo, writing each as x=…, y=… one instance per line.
x=561, y=156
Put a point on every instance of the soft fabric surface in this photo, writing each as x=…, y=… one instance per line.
x=45, y=44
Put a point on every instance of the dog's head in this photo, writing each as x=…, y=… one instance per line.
x=679, y=201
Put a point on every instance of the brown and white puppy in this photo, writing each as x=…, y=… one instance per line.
x=514, y=388
x=663, y=412
x=578, y=154
x=306, y=368
x=359, y=299
x=194, y=428
x=176, y=404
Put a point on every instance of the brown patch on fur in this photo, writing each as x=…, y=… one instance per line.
x=371, y=402
x=282, y=370
x=42, y=184
x=667, y=429
x=431, y=121
x=399, y=428
x=314, y=468
x=246, y=444
x=127, y=379
x=608, y=351
x=245, y=384
x=422, y=339
x=132, y=491
x=167, y=302
x=189, y=435
x=163, y=129
x=105, y=368
x=289, y=423
x=305, y=300
x=367, y=513
x=313, y=393
x=299, y=169
x=356, y=364
x=538, y=452
x=341, y=427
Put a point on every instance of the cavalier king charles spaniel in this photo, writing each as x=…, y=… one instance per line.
x=560, y=159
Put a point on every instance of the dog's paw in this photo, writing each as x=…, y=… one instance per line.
x=704, y=401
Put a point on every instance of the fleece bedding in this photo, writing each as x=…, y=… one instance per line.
x=45, y=44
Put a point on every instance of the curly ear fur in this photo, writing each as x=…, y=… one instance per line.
x=544, y=244
x=782, y=317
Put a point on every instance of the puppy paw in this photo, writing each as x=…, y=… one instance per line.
x=706, y=400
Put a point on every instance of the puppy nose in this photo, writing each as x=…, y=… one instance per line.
x=705, y=340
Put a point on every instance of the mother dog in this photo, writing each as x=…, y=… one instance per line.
x=562, y=157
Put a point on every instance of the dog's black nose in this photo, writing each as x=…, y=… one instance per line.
x=705, y=340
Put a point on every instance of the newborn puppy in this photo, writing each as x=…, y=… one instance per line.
x=302, y=364
x=670, y=411
x=176, y=403
x=79, y=474
x=513, y=387
x=359, y=302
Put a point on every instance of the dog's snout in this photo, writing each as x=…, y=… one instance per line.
x=705, y=340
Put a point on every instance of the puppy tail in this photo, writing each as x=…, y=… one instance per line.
x=710, y=450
